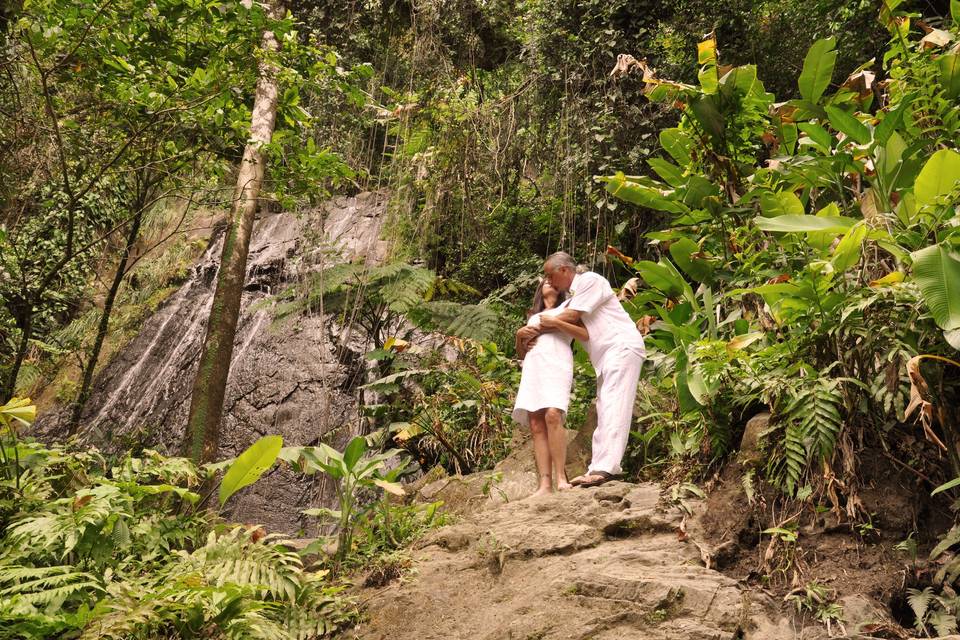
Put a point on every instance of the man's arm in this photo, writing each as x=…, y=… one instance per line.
x=525, y=339
x=571, y=316
x=575, y=331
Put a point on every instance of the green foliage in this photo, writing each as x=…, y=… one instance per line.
x=797, y=222
x=458, y=413
x=353, y=472
x=250, y=465
x=384, y=299
x=117, y=107
x=94, y=549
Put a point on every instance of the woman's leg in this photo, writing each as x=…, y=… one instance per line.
x=541, y=451
x=558, y=446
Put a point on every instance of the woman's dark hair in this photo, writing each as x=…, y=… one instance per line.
x=538, y=304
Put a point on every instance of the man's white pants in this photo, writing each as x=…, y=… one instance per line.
x=616, y=391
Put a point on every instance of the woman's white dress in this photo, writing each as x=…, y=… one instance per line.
x=547, y=372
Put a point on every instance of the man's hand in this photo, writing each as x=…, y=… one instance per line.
x=549, y=323
x=526, y=338
x=552, y=322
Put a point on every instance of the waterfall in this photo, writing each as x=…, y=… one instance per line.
x=286, y=377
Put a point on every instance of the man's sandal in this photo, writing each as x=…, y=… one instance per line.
x=602, y=477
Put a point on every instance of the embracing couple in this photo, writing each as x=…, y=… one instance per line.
x=582, y=306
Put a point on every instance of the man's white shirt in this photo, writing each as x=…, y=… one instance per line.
x=607, y=322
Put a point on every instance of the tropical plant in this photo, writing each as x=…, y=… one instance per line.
x=95, y=548
x=390, y=300
x=782, y=274
x=353, y=472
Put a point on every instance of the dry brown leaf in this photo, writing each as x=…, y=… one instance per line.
x=861, y=82
x=644, y=324
x=613, y=251
x=870, y=208
x=936, y=38
x=626, y=64
x=629, y=289
x=918, y=394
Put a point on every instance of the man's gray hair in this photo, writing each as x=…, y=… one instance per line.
x=560, y=259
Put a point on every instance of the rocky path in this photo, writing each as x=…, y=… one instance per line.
x=601, y=563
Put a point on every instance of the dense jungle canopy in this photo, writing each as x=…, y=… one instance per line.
x=772, y=188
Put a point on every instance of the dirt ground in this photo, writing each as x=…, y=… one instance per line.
x=846, y=558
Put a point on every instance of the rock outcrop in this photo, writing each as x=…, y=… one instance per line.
x=295, y=378
x=604, y=563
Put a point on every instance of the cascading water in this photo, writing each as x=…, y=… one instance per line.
x=290, y=378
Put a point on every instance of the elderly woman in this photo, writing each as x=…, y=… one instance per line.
x=544, y=393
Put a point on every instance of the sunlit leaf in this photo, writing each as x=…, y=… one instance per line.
x=817, y=69
x=894, y=277
x=849, y=125
x=939, y=177
x=937, y=272
x=847, y=252
x=782, y=203
x=250, y=465
x=800, y=224
x=390, y=487
x=678, y=144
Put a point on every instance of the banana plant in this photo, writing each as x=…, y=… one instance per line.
x=352, y=471
x=18, y=412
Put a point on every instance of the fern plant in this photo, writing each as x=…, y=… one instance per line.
x=812, y=420
x=98, y=550
x=381, y=299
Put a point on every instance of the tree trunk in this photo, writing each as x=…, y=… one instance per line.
x=206, y=404
x=91, y=364
x=26, y=332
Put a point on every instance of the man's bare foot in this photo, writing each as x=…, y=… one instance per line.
x=542, y=491
x=564, y=485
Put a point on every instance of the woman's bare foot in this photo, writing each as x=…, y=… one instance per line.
x=542, y=491
x=563, y=485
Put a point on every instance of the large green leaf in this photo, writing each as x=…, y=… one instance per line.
x=801, y=224
x=937, y=272
x=938, y=177
x=780, y=203
x=659, y=277
x=669, y=172
x=817, y=69
x=707, y=59
x=847, y=252
x=817, y=134
x=678, y=144
x=707, y=112
x=354, y=451
x=250, y=465
x=682, y=252
x=622, y=187
x=846, y=123
x=20, y=410
x=950, y=74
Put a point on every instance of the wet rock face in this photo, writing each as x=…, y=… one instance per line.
x=294, y=378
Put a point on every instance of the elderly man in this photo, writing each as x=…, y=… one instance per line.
x=616, y=351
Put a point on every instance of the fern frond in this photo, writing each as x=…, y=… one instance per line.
x=232, y=558
x=39, y=586
x=405, y=289
x=919, y=602
x=945, y=622
x=472, y=321
x=795, y=453
x=949, y=539
x=822, y=418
